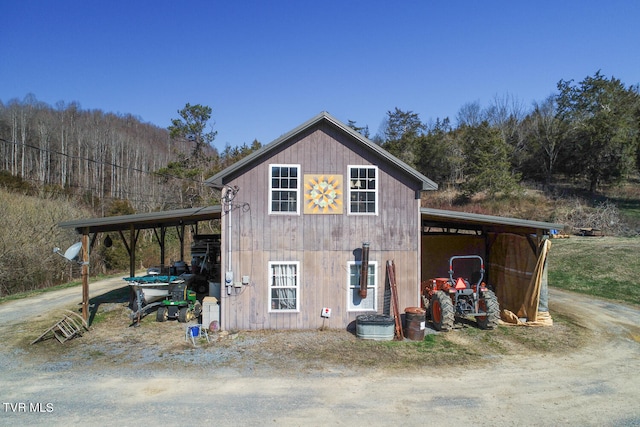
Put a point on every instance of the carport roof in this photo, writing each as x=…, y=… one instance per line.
x=469, y=221
x=145, y=220
x=430, y=218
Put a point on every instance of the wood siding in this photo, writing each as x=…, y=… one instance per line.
x=323, y=244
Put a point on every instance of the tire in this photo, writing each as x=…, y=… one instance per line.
x=162, y=314
x=441, y=311
x=183, y=315
x=489, y=304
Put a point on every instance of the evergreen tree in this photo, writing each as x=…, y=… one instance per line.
x=400, y=134
x=486, y=161
x=602, y=115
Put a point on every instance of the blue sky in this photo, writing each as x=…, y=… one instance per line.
x=265, y=67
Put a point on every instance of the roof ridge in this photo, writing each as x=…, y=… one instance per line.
x=218, y=179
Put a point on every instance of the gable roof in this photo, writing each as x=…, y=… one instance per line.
x=218, y=180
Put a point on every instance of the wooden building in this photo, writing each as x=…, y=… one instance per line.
x=296, y=215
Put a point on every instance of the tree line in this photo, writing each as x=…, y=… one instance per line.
x=587, y=132
x=103, y=157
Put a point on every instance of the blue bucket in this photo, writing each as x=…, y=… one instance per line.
x=195, y=331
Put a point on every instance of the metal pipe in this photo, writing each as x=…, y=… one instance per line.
x=228, y=277
x=229, y=199
x=364, y=270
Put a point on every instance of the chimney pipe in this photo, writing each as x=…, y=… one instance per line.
x=364, y=270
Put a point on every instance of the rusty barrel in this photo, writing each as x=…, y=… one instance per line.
x=415, y=318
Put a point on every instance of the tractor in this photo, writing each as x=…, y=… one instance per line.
x=448, y=298
x=181, y=303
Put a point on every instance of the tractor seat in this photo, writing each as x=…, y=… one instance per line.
x=475, y=277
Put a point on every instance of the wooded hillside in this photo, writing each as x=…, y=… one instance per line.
x=583, y=137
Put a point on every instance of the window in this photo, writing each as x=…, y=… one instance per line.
x=356, y=302
x=285, y=188
x=363, y=189
x=284, y=286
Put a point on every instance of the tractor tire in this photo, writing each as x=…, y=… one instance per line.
x=197, y=309
x=441, y=311
x=489, y=304
x=184, y=315
x=162, y=314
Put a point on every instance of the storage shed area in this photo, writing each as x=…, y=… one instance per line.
x=514, y=251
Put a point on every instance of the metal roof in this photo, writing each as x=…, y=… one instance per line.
x=146, y=220
x=218, y=180
x=430, y=218
x=469, y=221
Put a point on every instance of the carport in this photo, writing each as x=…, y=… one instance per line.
x=514, y=250
x=129, y=226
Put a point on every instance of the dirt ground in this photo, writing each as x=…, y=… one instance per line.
x=584, y=370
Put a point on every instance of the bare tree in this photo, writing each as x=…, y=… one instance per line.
x=545, y=133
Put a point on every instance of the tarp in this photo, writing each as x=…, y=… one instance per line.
x=519, y=277
x=152, y=278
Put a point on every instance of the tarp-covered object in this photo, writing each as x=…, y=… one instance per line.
x=517, y=275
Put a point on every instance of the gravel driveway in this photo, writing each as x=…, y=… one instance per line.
x=597, y=384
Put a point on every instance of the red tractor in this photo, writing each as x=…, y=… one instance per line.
x=448, y=298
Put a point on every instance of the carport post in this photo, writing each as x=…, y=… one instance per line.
x=85, y=274
x=132, y=250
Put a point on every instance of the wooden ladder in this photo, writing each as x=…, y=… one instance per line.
x=70, y=326
x=391, y=273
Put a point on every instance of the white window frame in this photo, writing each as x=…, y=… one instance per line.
x=295, y=286
x=353, y=288
x=374, y=191
x=296, y=190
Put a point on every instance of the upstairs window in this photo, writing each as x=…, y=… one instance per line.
x=284, y=189
x=363, y=190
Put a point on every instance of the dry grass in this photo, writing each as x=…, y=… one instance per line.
x=28, y=233
x=615, y=212
x=112, y=341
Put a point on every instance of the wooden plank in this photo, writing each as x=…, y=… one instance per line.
x=394, y=299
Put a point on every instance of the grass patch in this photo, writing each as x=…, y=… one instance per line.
x=605, y=267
